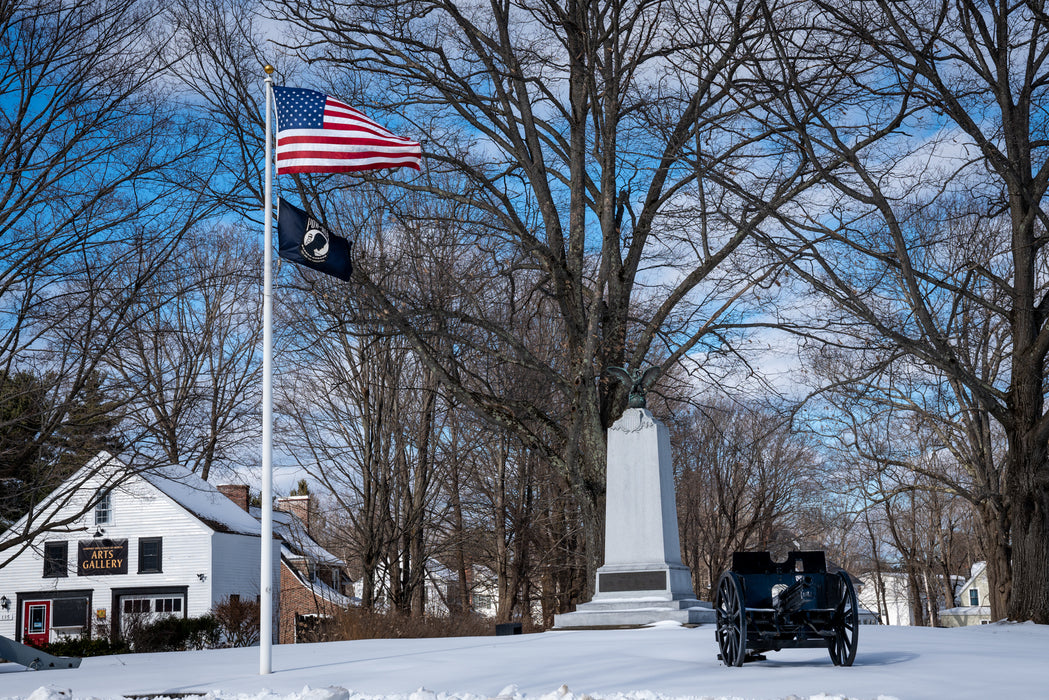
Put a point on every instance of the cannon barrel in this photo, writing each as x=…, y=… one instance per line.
x=792, y=597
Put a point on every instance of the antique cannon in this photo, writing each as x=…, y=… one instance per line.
x=762, y=605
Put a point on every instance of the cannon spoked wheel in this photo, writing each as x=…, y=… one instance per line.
x=731, y=619
x=842, y=646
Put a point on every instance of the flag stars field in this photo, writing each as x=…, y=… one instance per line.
x=317, y=133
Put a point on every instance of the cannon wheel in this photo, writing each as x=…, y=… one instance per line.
x=842, y=646
x=731, y=615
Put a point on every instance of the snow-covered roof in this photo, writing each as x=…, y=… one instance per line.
x=866, y=578
x=202, y=500
x=323, y=591
x=967, y=610
x=869, y=575
x=438, y=571
x=978, y=568
x=194, y=495
x=865, y=614
x=297, y=542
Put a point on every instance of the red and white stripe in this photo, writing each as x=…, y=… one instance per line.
x=348, y=142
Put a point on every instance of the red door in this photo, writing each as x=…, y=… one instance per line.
x=36, y=619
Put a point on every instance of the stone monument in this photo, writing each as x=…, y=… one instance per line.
x=642, y=580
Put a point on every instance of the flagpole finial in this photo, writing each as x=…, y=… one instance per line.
x=268, y=68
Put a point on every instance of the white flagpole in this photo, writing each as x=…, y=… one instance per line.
x=266, y=573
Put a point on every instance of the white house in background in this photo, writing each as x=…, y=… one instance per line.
x=442, y=589
x=894, y=605
x=160, y=542
x=973, y=604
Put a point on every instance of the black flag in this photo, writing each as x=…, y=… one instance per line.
x=306, y=241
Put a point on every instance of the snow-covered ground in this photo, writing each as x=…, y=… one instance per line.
x=666, y=661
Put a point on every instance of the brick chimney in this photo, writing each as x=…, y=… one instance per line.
x=238, y=493
x=299, y=506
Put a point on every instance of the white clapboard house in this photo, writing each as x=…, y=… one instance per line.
x=152, y=543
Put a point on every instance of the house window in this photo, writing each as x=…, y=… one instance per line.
x=69, y=614
x=56, y=559
x=168, y=605
x=138, y=605
x=103, y=509
x=974, y=597
x=149, y=555
x=149, y=604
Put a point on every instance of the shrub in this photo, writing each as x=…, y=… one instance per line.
x=177, y=634
x=238, y=621
x=358, y=623
x=82, y=647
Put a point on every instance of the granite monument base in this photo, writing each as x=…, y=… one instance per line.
x=636, y=595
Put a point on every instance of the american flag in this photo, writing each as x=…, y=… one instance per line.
x=319, y=134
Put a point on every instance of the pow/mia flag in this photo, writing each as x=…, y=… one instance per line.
x=306, y=241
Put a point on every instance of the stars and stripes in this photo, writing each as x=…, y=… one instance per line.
x=319, y=134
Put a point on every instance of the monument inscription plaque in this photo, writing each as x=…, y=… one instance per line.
x=632, y=581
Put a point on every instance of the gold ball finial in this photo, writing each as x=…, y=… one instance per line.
x=268, y=68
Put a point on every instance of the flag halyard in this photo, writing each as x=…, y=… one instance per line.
x=317, y=133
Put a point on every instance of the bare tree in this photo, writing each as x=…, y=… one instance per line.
x=917, y=526
x=952, y=140
x=587, y=146
x=190, y=350
x=742, y=480
x=903, y=419
x=95, y=154
x=364, y=418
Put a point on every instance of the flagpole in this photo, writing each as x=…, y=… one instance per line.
x=266, y=573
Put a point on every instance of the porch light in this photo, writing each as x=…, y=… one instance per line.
x=4, y=602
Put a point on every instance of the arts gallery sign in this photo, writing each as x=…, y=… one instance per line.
x=101, y=557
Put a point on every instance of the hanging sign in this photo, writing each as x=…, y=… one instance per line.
x=101, y=557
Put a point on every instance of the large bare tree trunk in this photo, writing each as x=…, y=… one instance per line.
x=1029, y=511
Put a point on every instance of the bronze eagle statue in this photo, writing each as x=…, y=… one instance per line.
x=638, y=381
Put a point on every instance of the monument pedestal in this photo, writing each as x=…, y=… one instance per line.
x=643, y=580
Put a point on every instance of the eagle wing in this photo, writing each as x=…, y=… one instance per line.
x=621, y=374
x=650, y=376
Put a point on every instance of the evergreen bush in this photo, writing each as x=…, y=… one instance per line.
x=177, y=634
x=81, y=647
